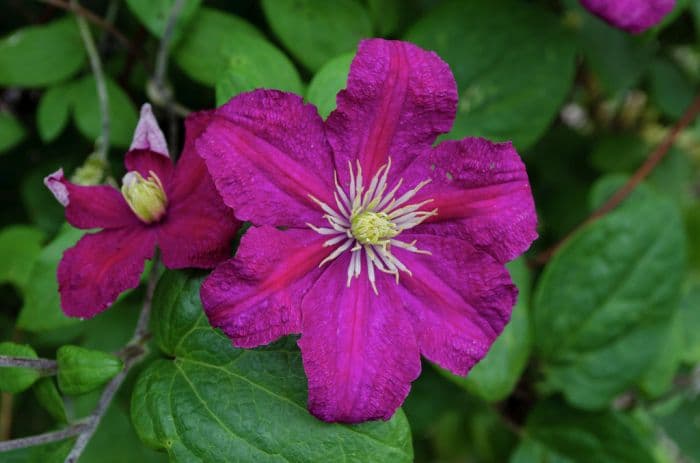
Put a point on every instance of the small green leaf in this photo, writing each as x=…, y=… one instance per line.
x=531, y=451
x=385, y=14
x=218, y=41
x=212, y=402
x=327, y=82
x=42, y=310
x=681, y=424
x=597, y=342
x=54, y=111
x=19, y=247
x=88, y=118
x=583, y=437
x=619, y=153
x=41, y=55
x=83, y=370
x=49, y=398
x=13, y=379
x=671, y=91
x=314, y=32
x=258, y=65
x=690, y=325
x=11, y=131
x=495, y=377
x=154, y=15
x=514, y=65
x=659, y=375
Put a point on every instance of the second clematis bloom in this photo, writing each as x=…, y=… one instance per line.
x=390, y=247
x=634, y=16
x=174, y=207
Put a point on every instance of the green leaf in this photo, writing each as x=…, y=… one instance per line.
x=314, y=32
x=19, y=246
x=689, y=316
x=604, y=301
x=495, y=377
x=327, y=82
x=212, y=402
x=584, y=437
x=88, y=117
x=154, y=15
x=681, y=424
x=54, y=111
x=621, y=152
x=83, y=370
x=11, y=131
x=37, y=56
x=13, y=379
x=55, y=452
x=385, y=14
x=49, y=398
x=513, y=62
x=531, y=451
x=671, y=91
x=42, y=309
x=659, y=374
x=258, y=65
x=218, y=43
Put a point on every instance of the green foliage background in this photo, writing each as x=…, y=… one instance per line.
x=600, y=360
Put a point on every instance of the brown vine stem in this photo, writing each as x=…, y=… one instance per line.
x=45, y=366
x=91, y=17
x=639, y=175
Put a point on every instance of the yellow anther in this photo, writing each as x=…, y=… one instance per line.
x=373, y=227
x=145, y=196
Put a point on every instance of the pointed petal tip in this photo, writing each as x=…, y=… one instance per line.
x=148, y=135
x=54, y=182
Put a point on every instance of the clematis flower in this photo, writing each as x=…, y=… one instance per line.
x=176, y=208
x=374, y=245
x=634, y=16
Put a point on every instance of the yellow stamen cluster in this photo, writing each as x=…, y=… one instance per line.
x=373, y=228
x=145, y=196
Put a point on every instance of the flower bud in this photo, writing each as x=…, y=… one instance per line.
x=145, y=196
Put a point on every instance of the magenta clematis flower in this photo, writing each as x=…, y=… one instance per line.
x=634, y=16
x=176, y=208
x=373, y=244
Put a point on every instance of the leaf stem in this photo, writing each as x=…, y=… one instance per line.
x=103, y=97
x=639, y=175
x=90, y=17
x=41, y=439
x=46, y=366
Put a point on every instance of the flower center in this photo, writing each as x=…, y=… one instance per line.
x=145, y=196
x=368, y=219
x=373, y=227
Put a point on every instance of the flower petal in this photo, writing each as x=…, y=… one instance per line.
x=634, y=16
x=255, y=297
x=266, y=151
x=145, y=161
x=88, y=207
x=482, y=194
x=460, y=299
x=101, y=266
x=398, y=99
x=199, y=228
x=148, y=135
x=359, y=349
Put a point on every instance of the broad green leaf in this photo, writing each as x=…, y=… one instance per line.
x=617, y=58
x=659, y=374
x=54, y=111
x=671, y=91
x=385, y=14
x=585, y=437
x=11, y=131
x=314, y=32
x=327, y=82
x=602, y=304
x=531, y=451
x=513, y=62
x=681, y=424
x=689, y=314
x=215, y=403
x=17, y=379
x=259, y=65
x=19, y=246
x=42, y=309
x=37, y=56
x=87, y=114
x=219, y=42
x=154, y=15
x=49, y=398
x=621, y=152
x=495, y=377
x=82, y=370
